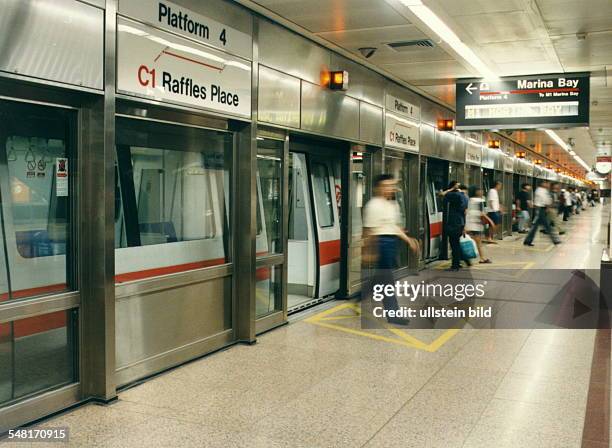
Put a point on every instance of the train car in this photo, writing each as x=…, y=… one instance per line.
x=315, y=193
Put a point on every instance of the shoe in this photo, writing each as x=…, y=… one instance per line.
x=398, y=321
x=562, y=232
x=556, y=242
x=452, y=269
x=523, y=231
x=486, y=261
x=528, y=244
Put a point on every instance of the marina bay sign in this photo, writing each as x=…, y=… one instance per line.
x=560, y=100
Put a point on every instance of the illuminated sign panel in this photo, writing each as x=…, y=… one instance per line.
x=523, y=102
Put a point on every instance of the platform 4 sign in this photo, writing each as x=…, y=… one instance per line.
x=523, y=102
x=177, y=19
x=158, y=65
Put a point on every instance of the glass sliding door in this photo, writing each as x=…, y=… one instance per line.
x=38, y=352
x=269, y=239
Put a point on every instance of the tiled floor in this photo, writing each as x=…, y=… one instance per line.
x=304, y=385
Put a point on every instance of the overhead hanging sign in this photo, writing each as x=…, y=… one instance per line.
x=180, y=20
x=523, y=102
x=473, y=154
x=160, y=66
x=401, y=133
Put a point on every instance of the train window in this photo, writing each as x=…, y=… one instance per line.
x=269, y=176
x=35, y=190
x=173, y=183
x=322, y=194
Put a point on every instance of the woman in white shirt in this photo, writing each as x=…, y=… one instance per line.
x=474, y=219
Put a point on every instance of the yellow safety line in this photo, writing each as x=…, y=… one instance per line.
x=405, y=339
x=338, y=318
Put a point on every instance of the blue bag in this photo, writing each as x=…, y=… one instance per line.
x=468, y=247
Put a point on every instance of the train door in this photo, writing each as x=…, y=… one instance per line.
x=436, y=181
x=395, y=165
x=361, y=192
x=301, y=244
x=38, y=225
x=314, y=229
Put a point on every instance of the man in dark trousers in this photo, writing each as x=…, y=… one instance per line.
x=455, y=203
x=382, y=232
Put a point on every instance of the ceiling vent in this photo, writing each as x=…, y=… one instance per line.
x=408, y=45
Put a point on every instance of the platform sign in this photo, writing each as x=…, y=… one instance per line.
x=473, y=154
x=401, y=133
x=523, y=102
x=508, y=164
x=155, y=64
x=403, y=108
x=180, y=20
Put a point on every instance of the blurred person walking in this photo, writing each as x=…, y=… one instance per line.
x=542, y=201
x=475, y=218
x=524, y=204
x=555, y=209
x=382, y=231
x=494, y=209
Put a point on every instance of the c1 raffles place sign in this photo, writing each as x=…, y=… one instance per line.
x=401, y=124
x=155, y=64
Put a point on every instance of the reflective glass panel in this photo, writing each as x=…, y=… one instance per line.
x=37, y=354
x=268, y=291
x=35, y=188
x=269, y=198
x=172, y=209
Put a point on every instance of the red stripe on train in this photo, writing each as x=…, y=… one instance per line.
x=435, y=229
x=155, y=272
x=46, y=322
x=329, y=252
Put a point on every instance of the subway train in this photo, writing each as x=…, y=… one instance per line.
x=159, y=188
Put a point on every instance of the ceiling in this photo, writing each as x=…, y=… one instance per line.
x=513, y=37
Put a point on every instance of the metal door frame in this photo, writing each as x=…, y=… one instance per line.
x=277, y=317
x=81, y=140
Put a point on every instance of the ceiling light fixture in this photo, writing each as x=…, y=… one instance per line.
x=437, y=25
x=557, y=139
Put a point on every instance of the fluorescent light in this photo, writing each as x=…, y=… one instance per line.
x=582, y=162
x=557, y=139
x=438, y=26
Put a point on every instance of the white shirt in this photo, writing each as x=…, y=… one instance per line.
x=542, y=197
x=382, y=216
x=568, y=198
x=473, y=222
x=493, y=200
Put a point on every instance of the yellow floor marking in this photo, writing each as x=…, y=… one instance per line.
x=340, y=317
x=494, y=267
x=405, y=339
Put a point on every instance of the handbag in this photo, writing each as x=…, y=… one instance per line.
x=468, y=247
